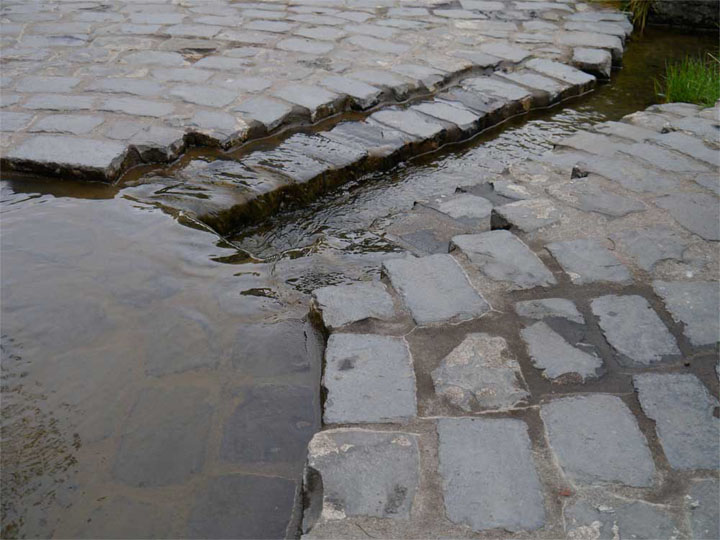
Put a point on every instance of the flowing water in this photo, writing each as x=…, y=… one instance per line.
x=159, y=381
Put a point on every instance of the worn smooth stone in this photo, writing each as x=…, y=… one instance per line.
x=270, y=112
x=625, y=130
x=345, y=304
x=703, y=508
x=556, y=357
x=468, y=209
x=375, y=139
x=363, y=94
x=399, y=85
x=590, y=197
x=137, y=107
x=488, y=475
x=709, y=181
x=697, y=212
x=495, y=87
x=462, y=117
x=549, y=307
x=595, y=61
x=592, y=40
x=647, y=247
x=365, y=473
x=597, y=440
x=663, y=158
x=318, y=101
x=306, y=46
x=67, y=123
x=502, y=256
x=47, y=84
x=560, y=71
x=368, y=379
x=592, y=143
x=505, y=51
x=56, y=102
x=696, y=304
x=588, y=261
x=435, y=289
x=480, y=373
x=121, y=517
x=690, y=146
x=324, y=149
x=628, y=173
x=634, y=330
x=528, y=215
x=543, y=88
x=378, y=45
x=410, y=122
x=288, y=161
x=682, y=409
x=14, y=121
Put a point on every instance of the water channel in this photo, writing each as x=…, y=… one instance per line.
x=160, y=381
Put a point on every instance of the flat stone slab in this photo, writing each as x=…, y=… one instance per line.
x=365, y=473
x=468, y=209
x=346, y=304
x=488, y=475
x=634, y=330
x=597, y=440
x=502, y=256
x=627, y=172
x=647, y=247
x=549, y=307
x=527, y=216
x=682, y=409
x=595, y=61
x=480, y=373
x=550, y=352
x=696, y=304
x=435, y=289
x=697, y=212
x=588, y=261
x=703, y=503
x=588, y=197
x=368, y=378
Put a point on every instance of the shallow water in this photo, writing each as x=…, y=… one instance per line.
x=158, y=380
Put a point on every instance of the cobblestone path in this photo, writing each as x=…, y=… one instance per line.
x=543, y=363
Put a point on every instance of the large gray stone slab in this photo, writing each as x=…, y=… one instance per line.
x=502, y=256
x=665, y=159
x=550, y=352
x=345, y=304
x=488, y=475
x=528, y=215
x=586, y=195
x=647, y=247
x=629, y=173
x=595, y=61
x=588, y=261
x=682, y=409
x=549, y=307
x=596, y=439
x=560, y=71
x=703, y=502
x=410, y=122
x=690, y=146
x=480, y=373
x=696, y=304
x=634, y=330
x=468, y=209
x=457, y=114
x=435, y=289
x=365, y=473
x=368, y=378
x=592, y=40
x=697, y=212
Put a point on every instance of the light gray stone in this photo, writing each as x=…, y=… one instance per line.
x=435, y=289
x=47, y=84
x=502, y=256
x=663, y=158
x=56, y=102
x=697, y=212
x=696, y=304
x=269, y=112
x=528, y=215
x=368, y=379
x=204, y=95
x=634, y=330
x=595, y=61
x=365, y=473
x=690, y=146
x=560, y=71
x=586, y=195
x=550, y=352
x=591, y=40
x=410, y=122
x=364, y=95
x=318, y=101
x=137, y=107
x=592, y=143
x=505, y=51
x=497, y=88
x=378, y=45
x=305, y=46
x=543, y=88
x=14, y=121
x=710, y=181
x=588, y=261
x=682, y=409
x=480, y=373
x=625, y=130
x=703, y=503
x=468, y=209
x=649, y=246
x=462, y=117
x=488, y=475
x=628, y=173
x=549, y=307
x=68, y=123
x=597, y=440
x=345, y=304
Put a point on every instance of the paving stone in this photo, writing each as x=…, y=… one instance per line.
x=534, y=5
x=325, y=33
x=273, y=349
x=707, y=129
x=364, y=95
x=497, y=88
x=488, y=475
x=323, y=149
x=502, y=256
x=468, y=209
x=345, y=304
x=560, y=71
x=703, y=508
x=505, y=51
x=14, y=121
x=138, y=87
x=47, y=85
x=607, y=517
x=318, y=101
x=409, y=122
x=696, y=304
x=67, y=123
x=365, y=473
x=435, y=289
x=592, y=40
x=163, y=440
x=690, y=146
x=625, y=130
x=137, y=107
x=161, y=58
x=55, y=102
x=428, y=77
x=628, y=173
x=458, y=14
x=368, y=379
x=378, y=45
x=649, y=246
x=549, y=307
x=462, y=117
x=588, y=261
x=634, y=330
x=592, y=143
x=400, y=86
x=697, y=212
x=550, y=352
x=204, y=95
x=270, y=112
x=375, y=139
x=526, y=216
x=121, y=517
x=586, y=195
x=545, y=90
x=710, y=181
x=597, y=440
x=595, y=61
x=254, y=506
x=663, y=158
x=305, y=46
x=287, y=161
x=480, y=373
x=682, y=409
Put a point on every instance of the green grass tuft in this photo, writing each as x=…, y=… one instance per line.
x=692, y=80
x=640, y=10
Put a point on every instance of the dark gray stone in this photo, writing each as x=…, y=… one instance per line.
x=285, y=160
x=163, y=441
x=625, y=130
x=66, y=123
x=634, y=330
x=273, y=349
x=435, y=289
x=368, y=379
x=697, y=212
x=588, y=261
x=649, y=246
x=696, y=304
x=502, y=256
x=375, y=139
x=118, y=516
x=682, y=409
x=325, y=150
x=489, y=478
x=480, y=374
x=628, y=173
x=703, y=506
x=345, y=304
x=365, y=473
x=597, y=440
x=528, y=215
x=590, y=197
x=592, y=143
x=409, y=122
x=549, y=307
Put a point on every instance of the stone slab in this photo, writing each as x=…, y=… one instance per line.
x=703, y=508
x=368, y=378
x=528, y=215
x=627, y=172
x=488, y=475
x=595, y=61
x=634, y=330
x=588, y=261
x=647, y=247
x=697, y=212
x=410, y=122
x=435, y=289
x=682, y=409
x=597, y=440
x=468, y=209
x=696, y=304
x=346, y=304
x=549, y=307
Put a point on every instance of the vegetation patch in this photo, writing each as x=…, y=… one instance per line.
x=692, y=80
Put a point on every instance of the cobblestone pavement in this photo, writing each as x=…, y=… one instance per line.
x=543, y=363
x=91, y=88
